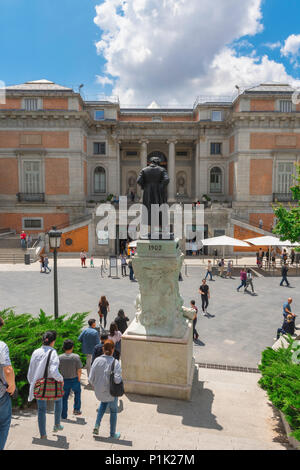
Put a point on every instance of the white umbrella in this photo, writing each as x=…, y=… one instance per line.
x=224, y=241
x=269, y=241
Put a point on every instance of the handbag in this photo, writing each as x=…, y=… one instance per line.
x=48, y=389
x=116, y=390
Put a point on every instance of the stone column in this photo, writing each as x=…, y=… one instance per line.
x=118, y=142
x=171, y=170
x=144, y=143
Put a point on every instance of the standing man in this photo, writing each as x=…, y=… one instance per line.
x=131, y=273
x=123, y=265
x=89, y=339
x=195, y=332
x=7, y=388
x=284, y=271
x=70, y=368
x=205, y=296
x=23, y=240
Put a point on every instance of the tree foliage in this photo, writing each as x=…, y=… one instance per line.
x=281, y=380
x=23, y=334
x=288, y=219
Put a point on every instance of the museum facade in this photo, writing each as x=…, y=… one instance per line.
x=61, y=155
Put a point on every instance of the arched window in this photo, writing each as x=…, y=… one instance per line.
x=99, y=180
x=216, y=180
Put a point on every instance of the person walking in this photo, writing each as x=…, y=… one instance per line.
x=7, y=389
x=115, y=335
x=284, y=272
x=45, y=359
x=103, y=309
x=221, y=267
x=229, y=269
x=89, y=338
x=46, y=265
x=98, y=350
x=70, y=367
x=205, y=296
x=249, y=281
x=123, y=265
x=243, y=278
x=100, y=379
x=42, y=265
x=121, y=321
x=83, y=258
x=292, y=256
x=195, y=332
x=209, y=271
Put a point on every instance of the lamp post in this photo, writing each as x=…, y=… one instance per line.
x=54, y=242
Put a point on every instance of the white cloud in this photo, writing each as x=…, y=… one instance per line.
x=291, y=47
x=273, y=45
x=173, y=50
x=104, y=80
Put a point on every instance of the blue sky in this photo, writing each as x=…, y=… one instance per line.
x=55, y=39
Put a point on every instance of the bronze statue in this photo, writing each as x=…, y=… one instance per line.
x=154, y=181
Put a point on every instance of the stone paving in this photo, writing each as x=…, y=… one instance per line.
x=227, y=411
x=238, y=328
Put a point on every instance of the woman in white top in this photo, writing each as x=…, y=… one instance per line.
x=249, y=281
x=99, y=378
x=115, y=335
x=36, y=372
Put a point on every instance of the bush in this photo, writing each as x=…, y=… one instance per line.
x=281, y=380
x=23, y=334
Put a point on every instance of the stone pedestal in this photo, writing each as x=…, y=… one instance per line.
x=158, y=366
x=157, y=348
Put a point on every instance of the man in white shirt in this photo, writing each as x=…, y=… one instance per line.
x=7, y=388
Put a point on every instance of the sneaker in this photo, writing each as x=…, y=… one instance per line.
x=117, y=435
x=58, y=428
x=77, y=412
x=96, y=432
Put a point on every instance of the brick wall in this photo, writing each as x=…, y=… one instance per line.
x=12, y=103
x=55, y=103
x=267, y=219
x=52, y=139
x=57, y=176
x=85, y=177
x=262, y=105
x=232, y=144
x=85, y=144
x=242, y=234
x=269, y=141
x=80, y=240
x=261, y=177
x=9, y=180
x=14, y=220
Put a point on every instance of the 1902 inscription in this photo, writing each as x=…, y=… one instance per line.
x=154, y=247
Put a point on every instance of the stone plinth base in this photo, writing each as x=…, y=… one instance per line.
x=158, y=366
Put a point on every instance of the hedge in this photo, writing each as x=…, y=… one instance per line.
x=23, y=334
x=281, y=379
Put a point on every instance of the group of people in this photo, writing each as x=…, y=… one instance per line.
x=52, y=377
x=127, y=261
x=289, y=318
x=222, y=269
x=44, y=264
x=26, y=240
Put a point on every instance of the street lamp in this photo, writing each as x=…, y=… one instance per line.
x=54, y=242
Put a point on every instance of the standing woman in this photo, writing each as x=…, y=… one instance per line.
x=100, y=379
x=36, y=371
x=121, y=321
x=103, y=310
x=115, y=335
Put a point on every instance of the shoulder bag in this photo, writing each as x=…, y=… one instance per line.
x=48, y=389
x=116, y=390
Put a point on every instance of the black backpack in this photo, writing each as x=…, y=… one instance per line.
x=116, y=390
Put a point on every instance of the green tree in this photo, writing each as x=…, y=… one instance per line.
x=288, y=219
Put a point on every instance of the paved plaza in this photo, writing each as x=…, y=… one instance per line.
x=238, y=328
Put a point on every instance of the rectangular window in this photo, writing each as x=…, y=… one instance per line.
x=33, y=224
x=216, y=148
x=99, y=115
x=286, y=106
x=181, y=154
x=32, y=177
x=285, y=177
x=157, y=118
x=31, y=104
x=131, y=154
x=99, y=148
x=216, y=116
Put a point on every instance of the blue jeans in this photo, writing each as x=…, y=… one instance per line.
x=131, y=274
x=71, y=384
x=5, y=419
x=244, y=283
x=113, y=406
x=208, y=273
x=42, y=410
x=284, y=279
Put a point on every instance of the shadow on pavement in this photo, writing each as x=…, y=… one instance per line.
x=196, y=412
x=61, y=442
x=110, y=440
x=80, y=421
